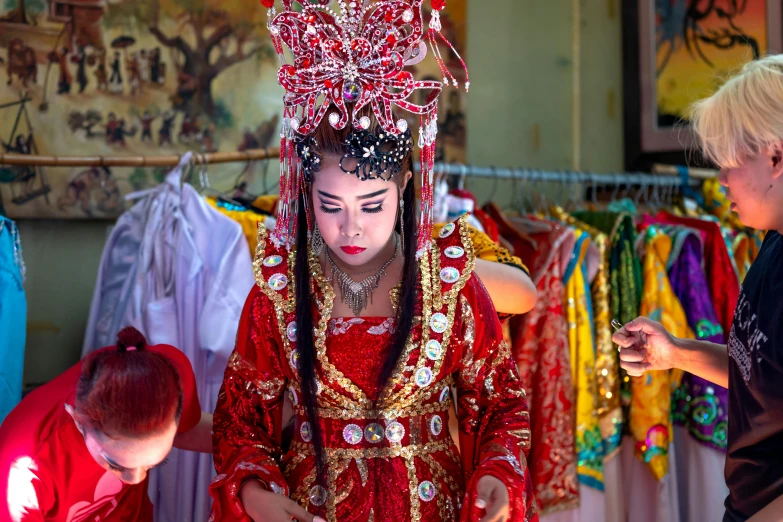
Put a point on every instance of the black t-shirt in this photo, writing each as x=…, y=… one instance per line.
x=754, y=459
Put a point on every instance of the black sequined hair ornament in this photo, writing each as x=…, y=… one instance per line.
x=380, y=154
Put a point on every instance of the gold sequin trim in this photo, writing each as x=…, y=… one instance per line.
x=281, y=306
x=413, y=486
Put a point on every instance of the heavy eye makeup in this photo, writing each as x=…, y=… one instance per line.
x=374, y=207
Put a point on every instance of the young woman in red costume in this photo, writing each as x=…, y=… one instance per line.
x=358, y=315
x=79, y=447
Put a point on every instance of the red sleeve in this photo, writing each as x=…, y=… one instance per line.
x=494, y=422
x=191, y=408
x=248, y=415
x=29, y=494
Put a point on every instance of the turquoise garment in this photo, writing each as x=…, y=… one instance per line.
x=13, y=317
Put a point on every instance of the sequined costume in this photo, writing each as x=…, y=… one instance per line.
x=396, y=460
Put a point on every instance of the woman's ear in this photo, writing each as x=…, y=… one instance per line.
x=406, y=179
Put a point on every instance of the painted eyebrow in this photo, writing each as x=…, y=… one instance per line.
x=114, y=464
x=366, y=196
x=123, y=468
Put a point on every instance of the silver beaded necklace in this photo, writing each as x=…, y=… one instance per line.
x=358, y=294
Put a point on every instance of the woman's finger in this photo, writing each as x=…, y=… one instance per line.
x=497, y=511
x=301, y=514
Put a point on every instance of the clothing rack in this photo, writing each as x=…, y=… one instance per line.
x=682, y=171
x=171, y=160
x=561, y=176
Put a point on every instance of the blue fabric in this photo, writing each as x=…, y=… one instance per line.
x=13, y=317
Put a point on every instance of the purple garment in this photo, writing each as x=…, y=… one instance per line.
x=699, y=405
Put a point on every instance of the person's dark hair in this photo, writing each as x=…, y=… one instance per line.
x=128, y=391
x=330, y=142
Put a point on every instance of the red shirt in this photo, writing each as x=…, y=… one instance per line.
x=46, y=472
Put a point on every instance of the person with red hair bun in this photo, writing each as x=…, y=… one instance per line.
x=79, y=448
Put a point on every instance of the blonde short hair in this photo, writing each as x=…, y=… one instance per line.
x=744, y=115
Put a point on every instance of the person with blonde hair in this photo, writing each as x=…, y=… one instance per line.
x=740, y=128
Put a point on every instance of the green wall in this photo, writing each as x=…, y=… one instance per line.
x=522, y=58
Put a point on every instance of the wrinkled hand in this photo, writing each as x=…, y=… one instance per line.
x=645, y=345
x=492, y=496
x=265, y=506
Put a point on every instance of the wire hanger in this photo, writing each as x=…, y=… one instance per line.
x=205, y=186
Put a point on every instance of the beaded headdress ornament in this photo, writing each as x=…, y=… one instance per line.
x=347, y=58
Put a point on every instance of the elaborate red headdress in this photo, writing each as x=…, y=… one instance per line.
x=345, y=61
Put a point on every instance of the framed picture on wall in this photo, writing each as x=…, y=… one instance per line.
x=676, y=52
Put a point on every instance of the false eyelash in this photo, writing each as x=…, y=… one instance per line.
x=329, y=210
x=374, y=210
x=165, y=461
x=118, y=470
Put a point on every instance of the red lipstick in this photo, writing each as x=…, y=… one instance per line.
x=352, y=250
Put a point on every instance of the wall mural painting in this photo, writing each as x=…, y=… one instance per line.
x=147, y=77
x=677, y=52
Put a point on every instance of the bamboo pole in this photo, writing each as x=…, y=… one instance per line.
x=171, y=160
x=674, y=170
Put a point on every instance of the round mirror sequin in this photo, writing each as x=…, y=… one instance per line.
x=373, y=433
x=436, y=425
x=306, y=432
x=438, y=323
x=449, y=275
x=295, y=359
x=423, y=377
x=317, y=495
x=444, y=394
x=454, y=252
x=273, y=261
x=446, y=230
x=277, y=282
x=426, y=491
x=395, y=432
x=433, y=350
x=290, y=331
x=293, y=396
x=352, y=434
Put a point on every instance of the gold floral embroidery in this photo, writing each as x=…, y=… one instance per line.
x=269, y=389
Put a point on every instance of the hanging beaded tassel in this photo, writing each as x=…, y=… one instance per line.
x=434, y=31
x=428, y=132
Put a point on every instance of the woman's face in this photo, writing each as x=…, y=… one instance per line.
x=755, y=189
x=129, y=459
x=356, y=218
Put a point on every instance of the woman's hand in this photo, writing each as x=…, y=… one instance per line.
x=265, y=506
x=492, y=496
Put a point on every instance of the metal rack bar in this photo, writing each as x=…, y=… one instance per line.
x=563, y=176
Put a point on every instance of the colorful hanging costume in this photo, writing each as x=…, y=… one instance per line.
x=650, y=412
x=581, y=340
x=540, y=345
x=397, y=461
